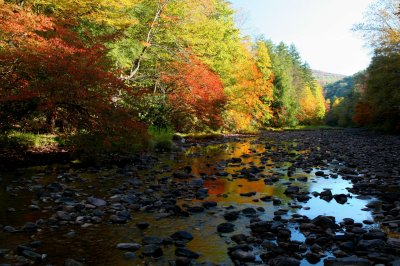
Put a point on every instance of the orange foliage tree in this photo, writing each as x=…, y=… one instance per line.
x=196, y=95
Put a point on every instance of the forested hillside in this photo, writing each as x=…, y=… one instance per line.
x=105, y=71
x=326, y=78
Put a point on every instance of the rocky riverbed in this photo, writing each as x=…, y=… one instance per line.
x=281, y=198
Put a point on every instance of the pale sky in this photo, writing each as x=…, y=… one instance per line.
x=320, y=29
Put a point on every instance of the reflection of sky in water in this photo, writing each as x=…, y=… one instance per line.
x=351, y=209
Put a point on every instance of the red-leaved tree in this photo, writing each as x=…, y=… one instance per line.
x=197, y=95
x=48, y=73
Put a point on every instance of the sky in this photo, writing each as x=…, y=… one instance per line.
x=320, y=29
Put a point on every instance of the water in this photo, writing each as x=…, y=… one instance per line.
x=95, y=245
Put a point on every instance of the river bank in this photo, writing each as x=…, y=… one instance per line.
x=281, y=198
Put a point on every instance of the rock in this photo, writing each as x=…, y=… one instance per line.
x=373, y=204
x=261, y=227
x=375, y=235
x=284, y=234
x=184, y=252
x=182, y=235
x=9, y=229
x=97, y=202
x=249, y=211
x=142, y=225
x=319, y=173
x=340, y=198
x=183, y=261
x=63, y=216
x=346, y=261
x=393, y=242
x=30, y=227
x=242, y=256
x=129, y=255
x=370, y=244
x=3, y=252
x=284, y=261
x=33, y=207
x=231, y=216
x=312, y=257
x=152, y=240
x=152, y=250
x=72, y=262
x=324, y=222
x=196, y=209
x=128, y=246
x=209, y=204
x=34, y=256
x=292, y=190
x=248, y=194
x=239, y=238
x=225, y=228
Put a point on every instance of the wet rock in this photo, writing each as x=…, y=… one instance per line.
x=231, y=216
x=142, y=225
x=72, y=262
x=242, y=256
x=3, y=252
x=248, y=194
x=373, y=204
x=393, y=242
x=30, y=227
x=284, y=234
x=346, y=261
x=324, y=222
x=319, y=173
x=302, y=179
x=196, y=209
x=266, y=198
x=284, y=261
x=33, y=207
x=375, y=235
x=152, y=240
x=33, y=255
x=292, y=190
x=249, y=211
x=239, y=238
x=312, y=257
x=182, y=261
x=184, y=252
x=9, y=229
x=370, y=244
x=120, y=217
x=129, y=255
x=225, y=228
x=128, y=246
x=63, y=216
x=96, y=201
x=152, y=250
x=340, y=198
x=348, y=221
x=209, y=204
x=326, y=195
x=182, y=235
x=261, y=227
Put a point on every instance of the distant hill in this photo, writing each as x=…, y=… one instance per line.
x=340, y=88
x=325, y=78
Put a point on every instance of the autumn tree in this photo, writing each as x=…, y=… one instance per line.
x=48, y=73
x=196, y=97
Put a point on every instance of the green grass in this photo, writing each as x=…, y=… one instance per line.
x=22, y=140
x=161, y=139
x=311, y=128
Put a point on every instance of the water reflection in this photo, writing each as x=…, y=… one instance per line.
x=96, y=245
